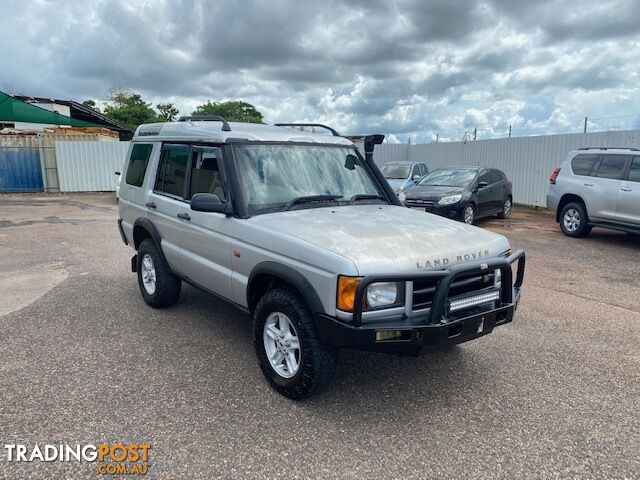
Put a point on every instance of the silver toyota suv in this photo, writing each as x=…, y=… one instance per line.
x=300, y=231
x=597, y=187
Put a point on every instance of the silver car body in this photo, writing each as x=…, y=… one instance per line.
x=416, y=171
x=220, y=252
x=610, y=202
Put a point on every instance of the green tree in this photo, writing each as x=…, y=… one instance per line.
x=130, y=109
x=232, y=111
x=91, y=104
x=168, y=112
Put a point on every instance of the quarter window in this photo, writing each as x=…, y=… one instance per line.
x=612, y=166
x=582, y=164
x=634, y=171
x=172, y=170
x=138, y=162
x=205, y=172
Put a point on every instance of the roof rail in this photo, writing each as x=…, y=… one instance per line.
x=207, y=118
x=333, y=132
x=610, y=148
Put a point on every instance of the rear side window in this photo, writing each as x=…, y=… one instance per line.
x=582, y=164
x=612, y=166
x=172, y=170
x=138, y=162
x=634, y=171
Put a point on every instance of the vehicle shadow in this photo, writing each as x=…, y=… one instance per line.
x=367, y=383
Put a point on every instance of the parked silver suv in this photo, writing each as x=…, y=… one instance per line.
x=304, y=234
x=597, y=187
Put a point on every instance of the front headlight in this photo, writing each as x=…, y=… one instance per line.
x=450, y=200
x=382, y=294
x=378, y=295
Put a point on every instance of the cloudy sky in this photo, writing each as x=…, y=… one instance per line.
x=411, y=69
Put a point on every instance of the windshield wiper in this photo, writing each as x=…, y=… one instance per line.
x=365, y=196
x=311, y=199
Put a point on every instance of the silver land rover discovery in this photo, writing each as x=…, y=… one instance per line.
x=297, y=229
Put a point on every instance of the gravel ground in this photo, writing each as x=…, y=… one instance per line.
x=555, y=394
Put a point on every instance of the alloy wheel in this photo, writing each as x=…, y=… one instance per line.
x=282, y=345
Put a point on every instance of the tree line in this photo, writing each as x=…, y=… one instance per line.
x=130, y=109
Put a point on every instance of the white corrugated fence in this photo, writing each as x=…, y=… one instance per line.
x=89, y=166
x=527, y=161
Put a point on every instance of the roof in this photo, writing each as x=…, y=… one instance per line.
x=403, y=162
x=211, y=131
x=78, y=111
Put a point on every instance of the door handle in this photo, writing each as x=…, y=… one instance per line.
x=625, y=189
x=588, y=184
x=151, y=205
x=184, y=216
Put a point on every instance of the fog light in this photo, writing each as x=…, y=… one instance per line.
x=382, y=335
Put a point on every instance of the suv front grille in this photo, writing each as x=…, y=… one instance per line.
x=423, y=290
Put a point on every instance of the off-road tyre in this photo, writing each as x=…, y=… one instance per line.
x=318, y=362
x=167, y=285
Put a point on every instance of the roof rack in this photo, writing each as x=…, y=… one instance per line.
x=319, y=125
x=611, y=148
x=207, y=118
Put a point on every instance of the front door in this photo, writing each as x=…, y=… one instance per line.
x=485, y=194
x=206, y=244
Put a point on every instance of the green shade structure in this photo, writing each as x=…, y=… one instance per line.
x=14, y=110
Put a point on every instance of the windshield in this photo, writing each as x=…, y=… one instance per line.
x=272, y=176
x=449, y=178
x=395, y=171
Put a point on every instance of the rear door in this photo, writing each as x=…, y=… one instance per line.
x=629, y=194
x=206, y=244
x=604, y=187
x=166, y=201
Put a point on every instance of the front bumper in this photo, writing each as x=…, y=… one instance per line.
x=438, y=327
x=453, y=211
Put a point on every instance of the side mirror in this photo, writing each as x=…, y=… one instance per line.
x=416, y=178
x=482, y=184
x=207, y=202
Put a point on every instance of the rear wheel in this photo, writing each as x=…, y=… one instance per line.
x=292, y=357
x=159, y=287
x=506, y=208
x=574, y=221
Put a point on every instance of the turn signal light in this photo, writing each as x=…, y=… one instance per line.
x=554, y=175
x=347, y=292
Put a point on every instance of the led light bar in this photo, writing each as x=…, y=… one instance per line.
x=468, y=302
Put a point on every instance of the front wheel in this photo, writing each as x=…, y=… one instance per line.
x=574, y=221
x=292, y=357
x=469, y=214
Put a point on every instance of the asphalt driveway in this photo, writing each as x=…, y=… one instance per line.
x=84, y=360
